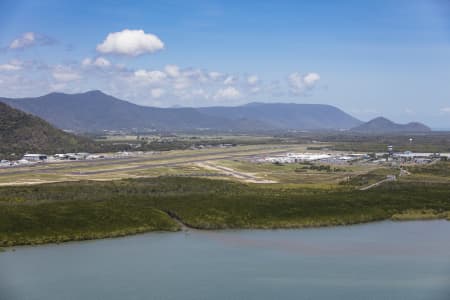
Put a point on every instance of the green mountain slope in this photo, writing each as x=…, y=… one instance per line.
x=21, y=133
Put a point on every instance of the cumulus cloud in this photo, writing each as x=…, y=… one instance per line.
x=99, y=62
x=252, y=80
x=65, y=74
x=227, y=93
x=157, y=93
x=131, y=43
x=230, y=80
x=13, y=65
x=151, y=77
x=86, y=62
x=311, y=78
x=169, y=85
x=445, y=110
x=172, y=70
x=200, y=93
x=26, y=40
x=299, y=84
x=215, y=75
x=29, y=39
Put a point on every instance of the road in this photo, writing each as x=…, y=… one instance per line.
x=389, y=178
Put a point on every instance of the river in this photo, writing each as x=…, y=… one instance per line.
x=385, y=260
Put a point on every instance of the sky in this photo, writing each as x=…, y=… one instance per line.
x=370, y=58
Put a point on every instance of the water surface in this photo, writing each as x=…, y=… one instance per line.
x=387, y=260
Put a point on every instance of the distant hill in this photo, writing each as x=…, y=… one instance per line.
x=21, y=132
x=288, y=115
x=383, y=125
x=96, y=111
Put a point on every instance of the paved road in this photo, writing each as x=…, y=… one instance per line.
x=390, y=178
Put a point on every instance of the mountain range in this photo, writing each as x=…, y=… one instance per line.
x=95, y=111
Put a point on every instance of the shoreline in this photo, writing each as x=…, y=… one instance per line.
x=187, y=228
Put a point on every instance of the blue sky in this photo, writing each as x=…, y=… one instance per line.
x=370, y=58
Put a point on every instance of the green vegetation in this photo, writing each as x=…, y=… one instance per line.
x=441, y=169
x=45, y=222
x=182, y=142
x=85, y=210
x=423, y=214
x=324, y=168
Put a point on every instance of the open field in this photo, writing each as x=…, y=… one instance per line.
x=305, y=174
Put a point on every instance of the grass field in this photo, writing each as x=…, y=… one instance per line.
x=66, y=211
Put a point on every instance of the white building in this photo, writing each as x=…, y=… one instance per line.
x=35, y=157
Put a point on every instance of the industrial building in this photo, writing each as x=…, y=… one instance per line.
x=34, y=157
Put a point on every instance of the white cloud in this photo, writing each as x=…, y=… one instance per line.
x=130, y=42
x=99, y=62
x=172, y=70
x=215, y=75
x=65, y=74
x=171, y=85
x=228, y=93
x=13, y=65
x=195, y=74
x=445, y=110
x=26, y=40
x=311, y=78
x=182, y=83
x=102, y=62
x=253, y=79
x=296, y=81
x=230, y=80
x=300, y=84
x=151, y=77
x=86, y=62
x=29, y=39
x=157, y=93
x=255, y=90
x=200, y=93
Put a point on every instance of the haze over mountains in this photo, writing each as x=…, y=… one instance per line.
x=95, y=111
x=288, y=115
